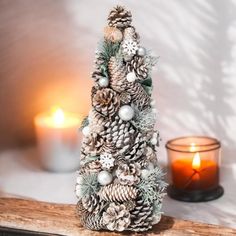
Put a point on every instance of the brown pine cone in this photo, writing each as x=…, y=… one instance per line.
x=137, y=149
x=138, y=65
x=128, y=174
x=119, y=83
x=92, y=145
x=106, y=101
x=119, y=133
x=117, y=193
x=90, y=167
x=130, y=33
x=92, y=203
x=141, y=216
x=119, y=17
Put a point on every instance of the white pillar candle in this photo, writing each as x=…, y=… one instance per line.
x=58, y=140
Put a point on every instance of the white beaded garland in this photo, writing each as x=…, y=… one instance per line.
x=141, y=51
x=103, y=82
x=86, y=131
x=104, y=177
x=131, y=77
x=126, y=112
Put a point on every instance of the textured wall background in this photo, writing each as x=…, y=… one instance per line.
x=47, y=49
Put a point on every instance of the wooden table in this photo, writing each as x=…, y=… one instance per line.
x=41, y=218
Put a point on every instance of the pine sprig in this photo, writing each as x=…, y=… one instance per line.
x=152, y=186
x=107, y=50
x=87, y=185
x=84, y=122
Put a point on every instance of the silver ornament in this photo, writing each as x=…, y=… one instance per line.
x=86, y=131
x=131, y=77
x=126, y=112
x=104, y=177
x=141, y=51
x=154, y=141
x=103, y=82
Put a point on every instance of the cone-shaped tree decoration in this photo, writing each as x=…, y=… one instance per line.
x=120, y=184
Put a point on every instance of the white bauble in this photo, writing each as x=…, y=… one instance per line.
x=86, y=131
x=103, y=82
x=153, y=103
x=144, y=173
x=126, y=112
x=131, y=77
x=154, y=141
x=141, y=51
x=104, y=177
x=154, y=110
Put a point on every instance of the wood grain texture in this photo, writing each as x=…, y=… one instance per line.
x=60, y=219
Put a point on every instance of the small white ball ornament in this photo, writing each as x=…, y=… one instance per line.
x=154, y=141
x=131, y=77
x=86, y=131
x=141, y=51
x=103, y=82
x=104, y=177
x=153, y=103
x=126, y=113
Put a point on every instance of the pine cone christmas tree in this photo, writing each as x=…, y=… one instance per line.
x=120, y=184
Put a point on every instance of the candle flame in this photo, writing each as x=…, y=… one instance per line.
x=193, y=147
x=196, y=163
x=58, y=116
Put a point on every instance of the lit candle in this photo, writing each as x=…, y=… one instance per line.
x=58, y=140
x=194, y=168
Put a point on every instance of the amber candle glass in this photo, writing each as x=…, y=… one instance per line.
x=194, y=166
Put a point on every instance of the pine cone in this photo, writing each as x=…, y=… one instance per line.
x=92, y=203
x=116, y=217
x=128, y=174
x=119, y=17
x=119, y=83
x=92, y=145
x=141, y=216
x=138, y=65
x=117, y=193
x=119, y=133
x=90, y=167
x=138, y=148
x=106, y=101
x=130, y=33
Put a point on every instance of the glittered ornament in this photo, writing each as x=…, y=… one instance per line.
x=154, y=141
x=141, y=51
x=103, y=82
x=131, y=77
x=126, y=112
x=86, y=131
x=104, y=177
x=113, y=34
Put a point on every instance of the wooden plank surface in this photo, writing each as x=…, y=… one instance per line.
x=60, y=219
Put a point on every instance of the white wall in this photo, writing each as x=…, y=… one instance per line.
x=50, y=43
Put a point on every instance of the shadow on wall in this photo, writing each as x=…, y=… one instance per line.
x=195, y=83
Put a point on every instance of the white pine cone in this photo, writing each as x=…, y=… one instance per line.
x=116, y=217
x=119, y=133
x=117, y=193
x=128, y=174
x=113, y=34
x=138, y=65
x=90, y=167
x=119, y=17
x=130, y=33
x=141, y=216
x=137, y=149
x=106, y=101
x=92, y=203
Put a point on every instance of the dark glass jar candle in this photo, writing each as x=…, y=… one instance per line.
x=194, y=166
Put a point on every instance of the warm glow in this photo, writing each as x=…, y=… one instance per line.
x=192, y=147
x=58, y=116
x=196, y=163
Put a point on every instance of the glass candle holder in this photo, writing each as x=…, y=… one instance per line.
x=194, y=166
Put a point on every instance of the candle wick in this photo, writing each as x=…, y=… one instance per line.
x=190, y=178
